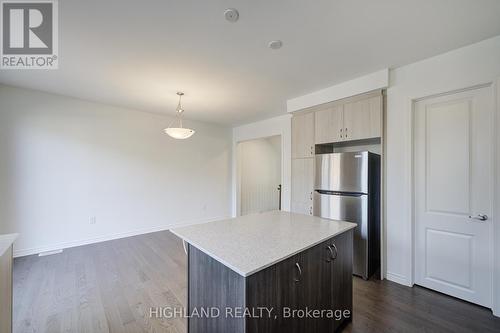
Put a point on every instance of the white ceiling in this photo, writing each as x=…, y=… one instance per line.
x=139, y=53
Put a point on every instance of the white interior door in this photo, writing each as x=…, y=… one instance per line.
x=453, y=194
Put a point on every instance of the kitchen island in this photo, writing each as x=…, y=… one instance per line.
x=269, y=272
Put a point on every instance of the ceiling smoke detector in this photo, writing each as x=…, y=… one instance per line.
x=231, y=15
x=275, y=44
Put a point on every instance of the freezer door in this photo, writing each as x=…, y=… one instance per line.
x=342, y=172
x=350, y=208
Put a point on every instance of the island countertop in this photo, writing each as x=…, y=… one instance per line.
x=250, y=243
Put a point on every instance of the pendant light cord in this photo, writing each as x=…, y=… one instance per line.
x=179, y=111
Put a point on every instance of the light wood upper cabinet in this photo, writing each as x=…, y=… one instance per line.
x=350, y=121
x=302, y=185
x=328, y=125
x=303, y=135
x=362, y=119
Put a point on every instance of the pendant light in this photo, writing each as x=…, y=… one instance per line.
x=179, y=132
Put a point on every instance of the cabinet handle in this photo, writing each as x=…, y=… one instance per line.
x=336, y=251
x=310, y=196
x=329, y=248
x=310, y=210
x=300, y=272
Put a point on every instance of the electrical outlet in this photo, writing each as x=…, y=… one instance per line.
x=92, y=220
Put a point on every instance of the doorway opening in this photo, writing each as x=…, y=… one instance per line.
x=259, y=175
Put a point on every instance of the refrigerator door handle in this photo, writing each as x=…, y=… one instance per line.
x=343, y=194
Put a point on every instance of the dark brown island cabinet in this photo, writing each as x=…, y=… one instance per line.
x=310, y=291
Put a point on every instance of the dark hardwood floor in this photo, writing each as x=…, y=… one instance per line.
x=110, y=287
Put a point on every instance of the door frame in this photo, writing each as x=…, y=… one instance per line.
x=495, y=235
x=281, y=125
x=238, y=169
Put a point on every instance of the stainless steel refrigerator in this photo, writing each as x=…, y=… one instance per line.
x=347, y=187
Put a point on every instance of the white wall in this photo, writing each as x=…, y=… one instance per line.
x=374, y=81
x=462, y=68
x=64, y=160
x=282, y=126
x=259, y=166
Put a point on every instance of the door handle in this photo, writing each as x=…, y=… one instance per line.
x=300, y=272
x=480, y=217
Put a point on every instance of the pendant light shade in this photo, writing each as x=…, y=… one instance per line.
x=179, y=132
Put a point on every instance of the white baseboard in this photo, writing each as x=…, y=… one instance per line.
x=79, y=242
x=398, y=278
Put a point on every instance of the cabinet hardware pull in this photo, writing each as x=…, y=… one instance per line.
x=300, y=272
x=329, y=248
x=336, y=252
x=310, y=210
x=310, y=196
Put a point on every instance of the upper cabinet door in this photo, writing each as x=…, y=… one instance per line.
x=303, y=135
x=363, y=119
x=329, y=125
